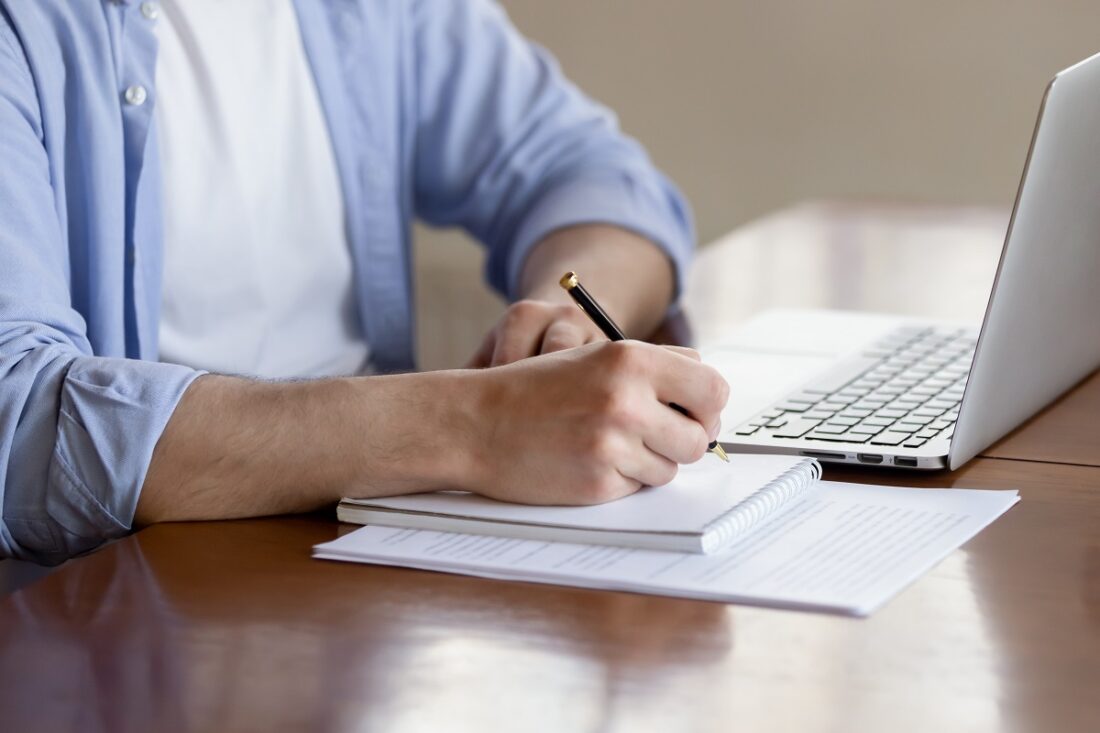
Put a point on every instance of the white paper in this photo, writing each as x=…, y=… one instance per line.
x=845, y=548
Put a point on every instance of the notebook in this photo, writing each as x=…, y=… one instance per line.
x=840, y=548
x=709, y=505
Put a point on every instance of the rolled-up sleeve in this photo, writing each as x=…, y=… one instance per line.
x=77, y=431
x=509, y=149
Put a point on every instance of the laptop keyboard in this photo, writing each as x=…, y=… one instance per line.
x=904, y=391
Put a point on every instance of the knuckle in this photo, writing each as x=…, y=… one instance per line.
x=616, y=408
x=522, y=310
x=603, y=448
x=626, y=356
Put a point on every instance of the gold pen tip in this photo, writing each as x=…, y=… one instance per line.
x=720, y=452
x=569, y=280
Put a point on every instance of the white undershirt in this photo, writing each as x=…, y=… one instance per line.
x=257, y=271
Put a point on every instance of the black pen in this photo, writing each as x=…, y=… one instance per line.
x=603, y=321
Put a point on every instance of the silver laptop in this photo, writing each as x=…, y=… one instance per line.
x=931, y=395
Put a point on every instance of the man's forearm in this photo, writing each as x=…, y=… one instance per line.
x=239, y=448
x=632, y=277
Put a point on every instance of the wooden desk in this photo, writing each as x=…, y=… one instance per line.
x=230, y=626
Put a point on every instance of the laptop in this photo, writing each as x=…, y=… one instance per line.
x=908, y=394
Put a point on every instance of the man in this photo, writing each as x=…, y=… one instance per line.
x=196, y=188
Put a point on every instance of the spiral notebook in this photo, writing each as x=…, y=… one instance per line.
x=706, y=508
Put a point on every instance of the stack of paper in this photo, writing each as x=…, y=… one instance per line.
x=845, y=548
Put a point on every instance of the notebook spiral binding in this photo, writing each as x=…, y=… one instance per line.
x=762, y=503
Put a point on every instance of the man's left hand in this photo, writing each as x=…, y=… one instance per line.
x=532, y=327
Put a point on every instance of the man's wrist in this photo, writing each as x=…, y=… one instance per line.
x=418, y=432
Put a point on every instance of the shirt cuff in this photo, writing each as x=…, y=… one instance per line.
x=113, y=412
x=662, y=219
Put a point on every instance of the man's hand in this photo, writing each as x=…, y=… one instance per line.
x=629, y=275
x=532, y=327
x=581, y=426
x=591, y=424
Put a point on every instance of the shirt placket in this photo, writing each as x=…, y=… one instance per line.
x=135, y=54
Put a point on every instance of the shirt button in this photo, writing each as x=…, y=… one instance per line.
x=150, y=10
x=136, y=95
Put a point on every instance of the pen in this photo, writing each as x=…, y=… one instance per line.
x=603, y=321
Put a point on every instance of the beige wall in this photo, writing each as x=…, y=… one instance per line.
x=750, y=106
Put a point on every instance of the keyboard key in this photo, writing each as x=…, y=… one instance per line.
x=839, y=437
x=831, y=429
x=778, y=422
x=796, y=428
x=885, y=412
x=790, y=406
x=942, y=404
x=927, y=411
x=845, y=421
x=866, y=383
x=747, y=429
x=940, y=424
x=810, y=397
x=912, y=422
x=880, y=421
x=855, y=412
x=928, y=433
x=904, y=405
x=915, y=442
x=868, y=430
x=828, y=405
x=818, y=414
x=842, y=399
x=890, y=437
x=771, y=414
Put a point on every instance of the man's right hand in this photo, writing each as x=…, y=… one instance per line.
x=590, y=424
x=581, y=426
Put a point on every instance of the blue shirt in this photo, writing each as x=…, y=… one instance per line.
x=437, y=109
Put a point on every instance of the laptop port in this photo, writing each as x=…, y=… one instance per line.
x=823, y=455
x=906, y=462
x=869, y=458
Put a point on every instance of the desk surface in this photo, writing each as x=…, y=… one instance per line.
x=230, y=626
